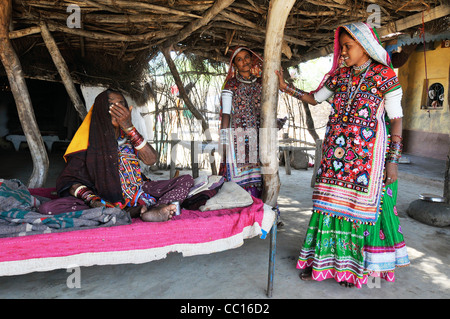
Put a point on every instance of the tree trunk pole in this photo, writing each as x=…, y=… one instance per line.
x=278, y=13
x=22, y=98
x=63, y=71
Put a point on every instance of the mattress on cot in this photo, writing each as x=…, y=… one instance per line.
x=191, y=233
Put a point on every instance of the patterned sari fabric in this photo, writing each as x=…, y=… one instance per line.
x=350, y=252
x=350, y=177
x=130, y=175
x=354, y=230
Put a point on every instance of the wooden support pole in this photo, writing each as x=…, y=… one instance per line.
x=268, y=140
x=287, y=161
x=22, y=98
x=272, y=254
x=278, y=13
x=173, y=154
x=63, y=71
x=194, y=158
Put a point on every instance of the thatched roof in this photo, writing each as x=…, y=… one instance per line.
x=117, y=38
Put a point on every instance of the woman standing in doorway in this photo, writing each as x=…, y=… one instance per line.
x=240, y=121
x=354, y=229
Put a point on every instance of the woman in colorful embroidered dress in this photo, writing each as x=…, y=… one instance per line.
x=354, y=231
x=240, y=121
x=103, y=164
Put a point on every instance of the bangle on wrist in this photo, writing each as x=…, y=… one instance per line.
x=293, y=91
x=141, y=146
x=399, y=136
x=394, y=152
x=79, y=188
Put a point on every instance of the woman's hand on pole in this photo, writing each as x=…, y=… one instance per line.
x=282, y=84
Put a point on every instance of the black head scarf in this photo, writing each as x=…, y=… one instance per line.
x=97, y=167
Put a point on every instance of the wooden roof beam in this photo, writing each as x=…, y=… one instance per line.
x=148, y=7
x=63, y=71
x=414, y=20
x=215, y=9
x=399, y=25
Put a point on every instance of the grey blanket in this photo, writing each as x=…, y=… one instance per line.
x=19, y=214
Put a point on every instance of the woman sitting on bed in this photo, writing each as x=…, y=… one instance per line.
x=103, y=164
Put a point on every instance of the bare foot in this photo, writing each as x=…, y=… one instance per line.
x=161, y=213
x=306, y=274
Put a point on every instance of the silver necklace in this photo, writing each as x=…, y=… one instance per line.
x=362, y=66
x=241, y=78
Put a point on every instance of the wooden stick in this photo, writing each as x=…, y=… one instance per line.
x=24, y=32
x=216, y=8
x=101, y=35
x=63, y=70
x=150, y=7
x=22, y=98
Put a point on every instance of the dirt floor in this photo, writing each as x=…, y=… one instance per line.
x=242, y=273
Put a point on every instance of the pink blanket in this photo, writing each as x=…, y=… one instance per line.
x=191, y=227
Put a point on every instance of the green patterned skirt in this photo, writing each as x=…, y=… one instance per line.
x=349, y=251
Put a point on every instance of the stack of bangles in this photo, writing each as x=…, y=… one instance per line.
x=136, y=139
x=85, y=194
x=395, y=151
x=293, y=91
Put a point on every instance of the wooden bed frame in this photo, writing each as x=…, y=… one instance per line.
x=141, y=242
